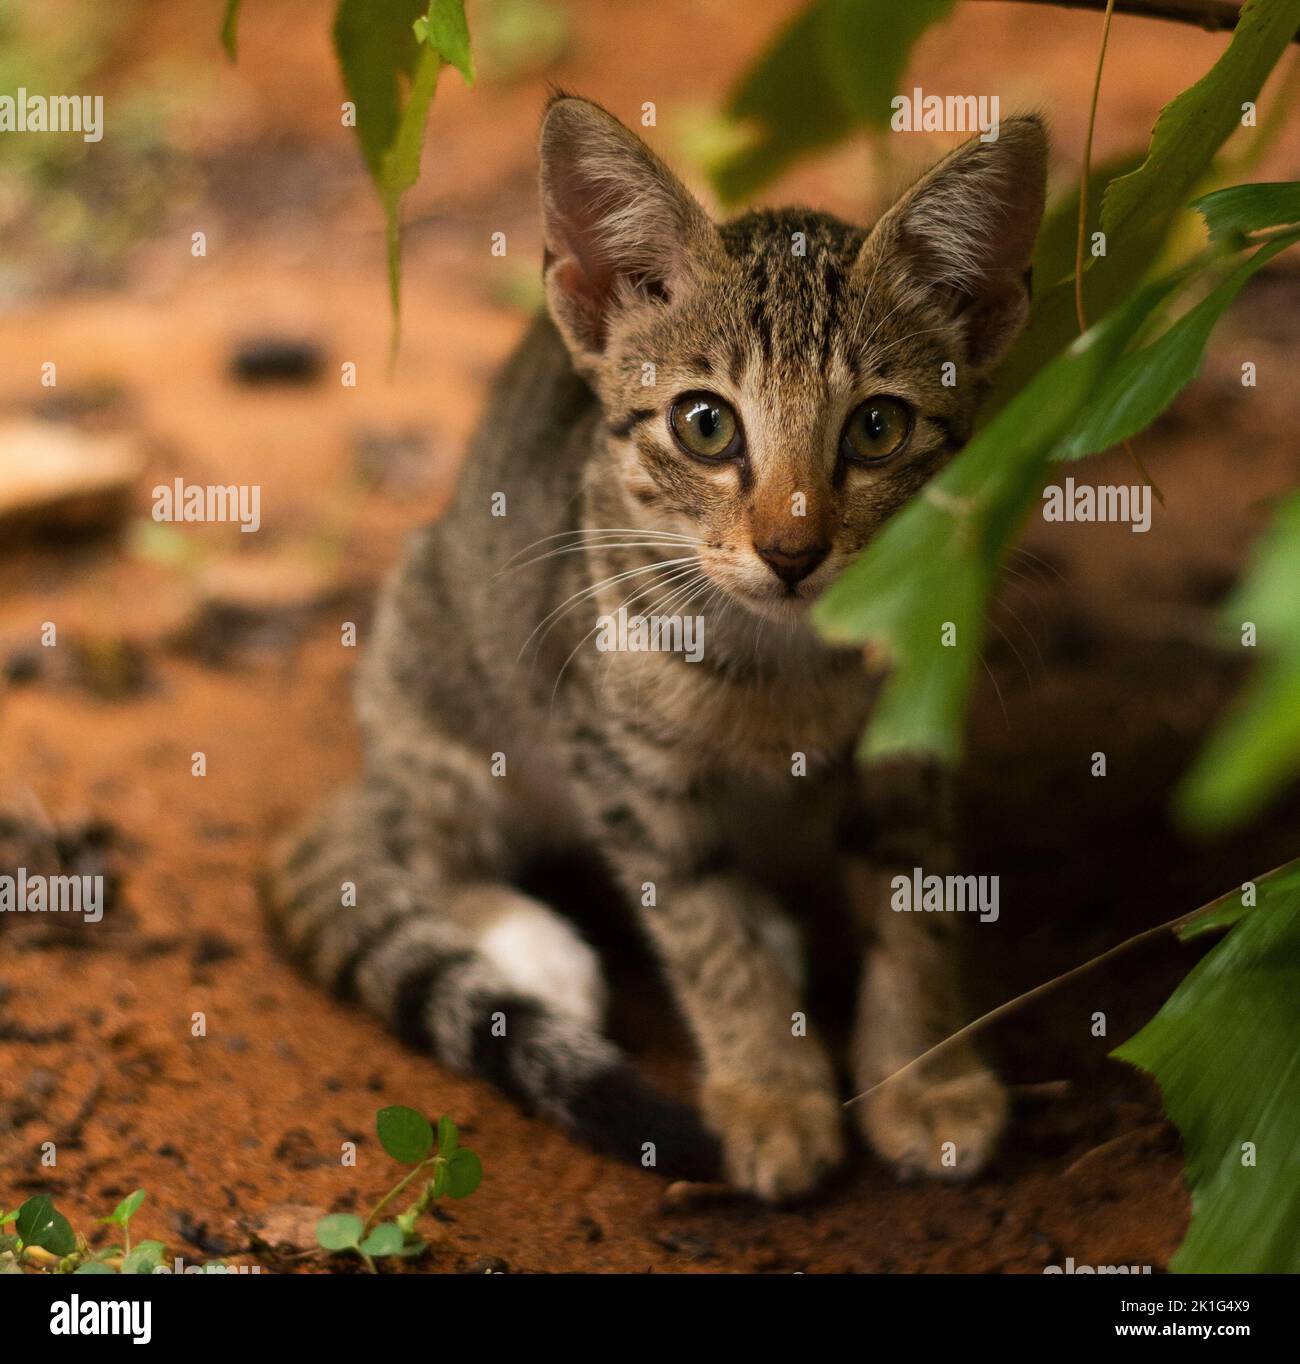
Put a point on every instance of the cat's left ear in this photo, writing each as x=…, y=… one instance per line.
x=965, y=232
x=621, y=230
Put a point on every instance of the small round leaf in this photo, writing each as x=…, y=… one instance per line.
x=464, y=1173
x=385, y=1239
x=339, y=1231
x=405, y=1134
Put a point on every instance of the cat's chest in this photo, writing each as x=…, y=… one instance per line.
x=762, y=726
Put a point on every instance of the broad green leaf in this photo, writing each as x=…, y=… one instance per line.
x=448, y=1136
x=405, y=1134
x=1256, y=749
x=1192, y=128
x=339, y=1231
x=1055, y=247
x=464, y=1173
x=126, y=1209
x=385, y=1239
x=865, y=47
x=144, y=1258
x=1240, y=209
x=381, y=57
x=929, y=573
x=788, y=76
x=833, y=69
x=1147, y=380
x=39, y=1224
x=376, y=48
x=1225, y=1050
x=444, y=29
x=93, y=1267
x=230, y=29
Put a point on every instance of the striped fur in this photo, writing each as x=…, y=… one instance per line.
x=716, y=791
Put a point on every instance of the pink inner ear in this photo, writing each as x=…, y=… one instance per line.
x=587, y=297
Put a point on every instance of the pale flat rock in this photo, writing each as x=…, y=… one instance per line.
x=57, y=477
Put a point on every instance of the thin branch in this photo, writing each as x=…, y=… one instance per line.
x=1215, y=16
x=977, y=1025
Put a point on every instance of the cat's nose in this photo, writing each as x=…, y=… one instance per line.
x=793, y=563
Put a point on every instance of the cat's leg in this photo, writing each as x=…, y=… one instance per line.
x=768, y=1090
x=944, y=1118
x=394, y=894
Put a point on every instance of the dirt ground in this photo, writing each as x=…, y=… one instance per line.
x=1104, y=642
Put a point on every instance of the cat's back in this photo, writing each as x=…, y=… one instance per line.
x=471, y=587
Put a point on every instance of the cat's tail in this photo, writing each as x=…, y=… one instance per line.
x=486, y=979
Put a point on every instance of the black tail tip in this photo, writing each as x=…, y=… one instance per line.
x=618, y=1114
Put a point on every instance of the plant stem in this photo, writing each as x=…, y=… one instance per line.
x=1085, y=175
x=395, y=1190
x=979, y=1024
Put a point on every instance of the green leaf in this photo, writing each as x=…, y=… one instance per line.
x=376, y=49
x=933, y=565
x=126, y=1209
x=380, y=56
x=833, y=69
x=230, y=29
x=1147, y=380
x=385, y=1239
x=405, y=1134
x=39, y=1224
x=1249, y=208
x=444, y=29
x=144, y=1258
x=1057, y=237
x=464, y=1173
x=1256, y=749
x=1225, y=1050
x=1192, y=128
x=448, y=1136
x=865, y=48
x=339, y=1231
x=1139, y=209
x=93, y=1267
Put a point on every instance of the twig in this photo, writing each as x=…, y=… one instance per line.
x=1011, y=1005
x=1215, y=16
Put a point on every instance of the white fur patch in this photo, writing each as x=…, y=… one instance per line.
x=543, y=956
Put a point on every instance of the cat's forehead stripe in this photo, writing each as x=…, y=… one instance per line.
x=795, y=264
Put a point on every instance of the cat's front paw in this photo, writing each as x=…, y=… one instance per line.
x=947, y=1127
x=777, y=1143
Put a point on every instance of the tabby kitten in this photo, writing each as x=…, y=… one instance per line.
x=712, y=420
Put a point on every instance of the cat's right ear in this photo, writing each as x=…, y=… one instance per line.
x=620, y=228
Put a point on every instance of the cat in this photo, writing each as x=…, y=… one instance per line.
x=711, y=419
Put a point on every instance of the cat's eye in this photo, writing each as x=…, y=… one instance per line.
x=705, y=426
x=876, y=431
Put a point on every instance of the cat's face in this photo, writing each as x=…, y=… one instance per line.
x=775, y=388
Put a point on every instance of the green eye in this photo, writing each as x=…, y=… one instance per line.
x=877, y=430
x=705, y=426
